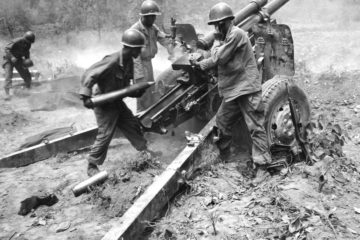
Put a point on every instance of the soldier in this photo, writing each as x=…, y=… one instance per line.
x=143, y=69
x=17, y=54
x=239, y=84
x=112, y=73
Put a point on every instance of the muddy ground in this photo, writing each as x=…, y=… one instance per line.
x=286, y=206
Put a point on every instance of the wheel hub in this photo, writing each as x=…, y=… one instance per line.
x=282, y=129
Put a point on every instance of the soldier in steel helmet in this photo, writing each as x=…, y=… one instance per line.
x=112, y=73
x=17, y=54
x=239, y=84
x=143, y=68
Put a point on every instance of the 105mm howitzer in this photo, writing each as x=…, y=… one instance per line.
x=188, y=92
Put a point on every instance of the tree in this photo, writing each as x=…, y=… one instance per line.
x=14, y=16
x=99, y=14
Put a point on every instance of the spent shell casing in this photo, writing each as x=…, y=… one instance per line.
x=94, y=180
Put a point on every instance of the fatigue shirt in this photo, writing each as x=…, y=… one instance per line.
x=107, y=75
x=17, y=48
x=237, y=70
x=152, y=36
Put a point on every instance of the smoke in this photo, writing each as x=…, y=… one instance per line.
x=87, y=57
x=334, y=14
x=71, y=53
x=325, y=33
x=161, y=61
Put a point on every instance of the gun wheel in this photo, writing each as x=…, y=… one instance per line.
x=278, y=123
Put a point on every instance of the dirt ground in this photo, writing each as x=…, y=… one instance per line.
x=286, y=206
x=222, y=204
x=90, y=215
x=53, y=105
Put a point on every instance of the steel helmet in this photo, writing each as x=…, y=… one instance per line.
x=149, y=7
x=219, y=12
x=28, y=63
x=133, y=38
x=30, y=36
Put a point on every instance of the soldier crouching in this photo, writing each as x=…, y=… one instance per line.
x=17, y=54
x=112, y=73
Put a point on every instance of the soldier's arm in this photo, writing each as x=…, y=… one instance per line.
x=163, y=40
x=161, y=37
x=27, y=54
x=9, y=48
x=222, y=53
x=93, y=74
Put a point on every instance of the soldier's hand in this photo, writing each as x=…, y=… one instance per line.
x=87, y=102
x=199, y=64
x=195, y=64
x=13, y=59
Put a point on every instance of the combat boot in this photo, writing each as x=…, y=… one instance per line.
x=261, y=158
x=247, y=169
x=261, y=175
x=92, y=170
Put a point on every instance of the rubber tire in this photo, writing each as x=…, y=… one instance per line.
x=274, y=92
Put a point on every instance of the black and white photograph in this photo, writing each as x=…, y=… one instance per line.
x=180, y=120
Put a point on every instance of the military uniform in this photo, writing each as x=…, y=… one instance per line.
x=240, y=86
x=108, y=75
x=20, y=49
x=143, y=69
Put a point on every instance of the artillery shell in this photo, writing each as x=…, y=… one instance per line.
x=94, y=180
x=119, y=94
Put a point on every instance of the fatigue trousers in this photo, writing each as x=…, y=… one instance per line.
x=250, y=107
x=143, y=72
x=24, y=73
x=108, y=117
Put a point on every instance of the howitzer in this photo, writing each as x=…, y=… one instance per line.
x=191, y=92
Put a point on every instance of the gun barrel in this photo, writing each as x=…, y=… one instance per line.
x=122, y=93
x=268, y=10
x=253, y=7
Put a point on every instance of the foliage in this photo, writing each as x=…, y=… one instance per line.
x=13, y=16
x=76, y=15
x=66, y=15
x=326, y=138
